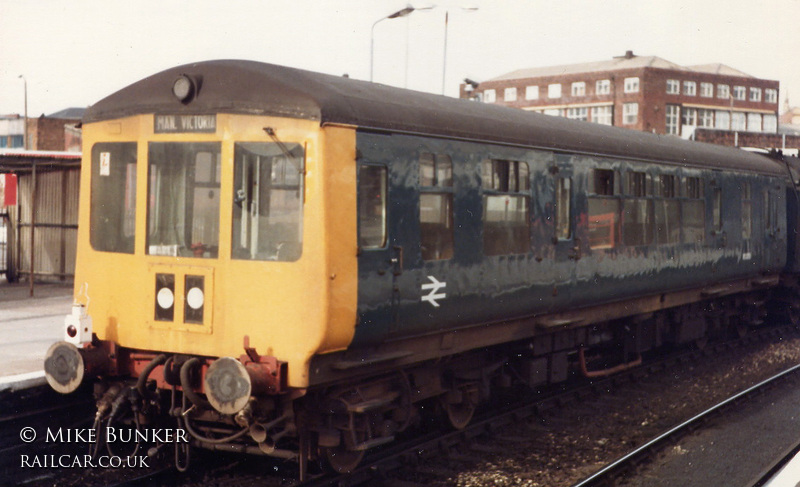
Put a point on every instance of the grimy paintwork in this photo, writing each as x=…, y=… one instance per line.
x=485, y=289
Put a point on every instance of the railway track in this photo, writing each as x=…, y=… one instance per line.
x=631, y=460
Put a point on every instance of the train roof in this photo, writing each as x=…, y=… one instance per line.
x=248, y=87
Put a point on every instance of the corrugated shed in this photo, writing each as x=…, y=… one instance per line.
x=55, y=223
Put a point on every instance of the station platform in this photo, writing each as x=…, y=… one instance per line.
x=28, y=326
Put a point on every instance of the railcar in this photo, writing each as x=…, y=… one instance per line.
x=289, y=264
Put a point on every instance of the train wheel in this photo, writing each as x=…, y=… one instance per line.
x=460, y=406
x=341, y=460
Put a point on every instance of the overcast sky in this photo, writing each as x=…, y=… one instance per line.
x=73, y=53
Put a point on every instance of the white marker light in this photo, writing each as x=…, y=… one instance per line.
x=165, y=298
x=195, y=298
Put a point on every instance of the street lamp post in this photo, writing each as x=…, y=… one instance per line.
x=25, y=122
x=400, y=13
x=446, y=22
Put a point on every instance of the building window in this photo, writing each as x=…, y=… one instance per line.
x=739, y=92
x=631, y=85
x=723, y=120
x=707, y=90
x=506, y=192
x=770, y=124
x=579, y=88
x=436, y=206
x=753, y=122
x=578, y=114
x=510, y=94
x=755, y=94
x=771, y=95
x=673, y=87
x=705, y=117
x=602, y=115
x=673, y=119
x=554, y=112
x=630, y=113
x=689, y=117
x=531, y=92
x=723, y=92
x=554, y=90
x=738, y=121
x=489, y=96
x=602, y=87
x=689, y=88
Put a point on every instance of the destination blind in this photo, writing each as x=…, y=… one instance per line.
x=171, y=124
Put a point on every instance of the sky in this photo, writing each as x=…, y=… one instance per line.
x=74, y=53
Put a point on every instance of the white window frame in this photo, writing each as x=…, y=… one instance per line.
x=673, y=114
x=707, y=90
x=632, y=85
x=771, y=95
x=602, y=87
x=722, y=120
x=630, y=113
x=739, y=93
x=723, y=91
x=754, y=122
x=554, y=90
x=578, y=113
x=579, y=88
x=673, y=87
x=770, y=124
x=690, y=88
x=531, y=92
x=603, y=115
x=510, y=94
x=489, y=96
x=755, y=94
x=738, y=121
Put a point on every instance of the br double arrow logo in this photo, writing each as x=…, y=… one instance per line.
x=433, y=287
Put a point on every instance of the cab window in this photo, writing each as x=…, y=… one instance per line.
x=268, y=201
x=113, y=195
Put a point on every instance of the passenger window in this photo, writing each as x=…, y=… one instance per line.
x=637, y=211
x=667, y=211
x=506, y=193
x=372, y=190
x=603, y=211
x=268, y=201
x=436, y=206
x=716, y=202
x=693, y=210
x=747, y=212
x=562, y=209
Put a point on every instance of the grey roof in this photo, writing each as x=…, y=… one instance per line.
x=247, y=87
x=74, y=112
x=618, y=64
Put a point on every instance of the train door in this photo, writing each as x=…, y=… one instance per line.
x=774, y=229
x=379, y=260
x=567, y=246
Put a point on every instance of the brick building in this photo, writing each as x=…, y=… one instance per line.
x=56, y=132
x=642, y=93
